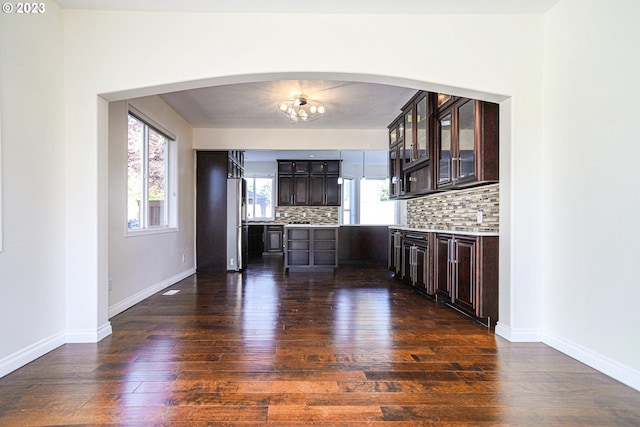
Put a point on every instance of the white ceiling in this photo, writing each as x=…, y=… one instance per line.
x=324, y=6
x=350, y=105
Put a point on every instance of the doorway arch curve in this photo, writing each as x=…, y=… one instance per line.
x=376, y=79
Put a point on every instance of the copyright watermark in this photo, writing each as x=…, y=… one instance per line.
x=24, y=8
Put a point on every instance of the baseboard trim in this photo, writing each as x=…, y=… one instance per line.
x=518, y=334
x=30, y=353
x=146, y=293
x=76, y=336
x=616, y=370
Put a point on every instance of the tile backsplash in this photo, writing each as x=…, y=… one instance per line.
x=320, y=215
x=457, y=210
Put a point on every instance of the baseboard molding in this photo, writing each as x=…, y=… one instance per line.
x=74, y=336
x=616, y=370
x=28, y=354
x=518, y=334
x=146, y=293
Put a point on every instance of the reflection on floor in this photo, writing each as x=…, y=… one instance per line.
x=267, y=348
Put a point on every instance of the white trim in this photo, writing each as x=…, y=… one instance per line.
x=146, y=293
x=30, y=353
x=152, y=230
x=149, y=121
x=518, y=335
x=616, y=370
x=88, y=335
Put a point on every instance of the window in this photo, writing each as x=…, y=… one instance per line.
x=375, y=206
x=347, y=201
x=148, y=176
x=259, y=198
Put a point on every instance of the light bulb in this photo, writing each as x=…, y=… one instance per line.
x=313, y=109
x=321, y=109
x=283, y=106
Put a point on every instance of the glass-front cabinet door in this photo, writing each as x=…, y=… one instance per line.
x=393, y=171
x=408, y=136
x=467, y=140
x=422, y=129
x=393, y=135
x=445, y=166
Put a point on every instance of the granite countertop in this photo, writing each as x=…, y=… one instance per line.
x=431, y=230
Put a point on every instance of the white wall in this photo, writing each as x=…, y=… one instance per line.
x=289, y=139
x=144, y=264
x=32, y=262
x=590, y=178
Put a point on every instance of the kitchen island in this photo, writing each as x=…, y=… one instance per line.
x=310, y=248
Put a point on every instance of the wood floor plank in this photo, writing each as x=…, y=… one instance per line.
x=263, y=348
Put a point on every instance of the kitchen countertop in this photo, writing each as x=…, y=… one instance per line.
x=431, y=230
x=312, y=225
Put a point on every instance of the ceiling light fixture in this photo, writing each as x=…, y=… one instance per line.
x=302, y=109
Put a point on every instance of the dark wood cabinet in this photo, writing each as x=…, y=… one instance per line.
x=273, y=235
x=466, y=143
x=315, y=183
x=416, y=265
x=311, y=248
x=395, y=252
x=396, y=158
x=410, y=167
x=293, y=190
x=457, y=269
x=442, y=142
x=211, y=210
x=441, y=267
x=466, y=274
x=235, y=164
x=324, y=189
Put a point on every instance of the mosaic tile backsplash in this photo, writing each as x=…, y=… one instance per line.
x=319, y=215
x=457, y=210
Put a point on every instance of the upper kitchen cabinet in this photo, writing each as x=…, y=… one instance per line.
x=396, y=157
x=304, y=183
x=235, y=164
x=293, y=183
x=466, y=143
x=324, y=189
x=410, y=155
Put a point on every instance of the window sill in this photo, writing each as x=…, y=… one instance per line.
x=150, y=231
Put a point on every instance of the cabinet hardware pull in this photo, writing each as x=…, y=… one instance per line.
x=414, y=236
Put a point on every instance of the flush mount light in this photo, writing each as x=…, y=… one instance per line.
x=302, y=109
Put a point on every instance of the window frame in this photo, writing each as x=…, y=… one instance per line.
x=253, y=177
x=360, y=201
x=350, y=212
x=170, y=178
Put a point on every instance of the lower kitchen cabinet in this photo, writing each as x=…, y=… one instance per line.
x=466, y=274
x=273, y=235
x=416, y=268
x=457, y=269
x=312, y=248
x=395, y=252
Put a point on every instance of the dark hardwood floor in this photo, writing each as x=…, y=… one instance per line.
x=352, y=349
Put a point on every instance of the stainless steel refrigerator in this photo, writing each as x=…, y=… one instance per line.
x=237, y=229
